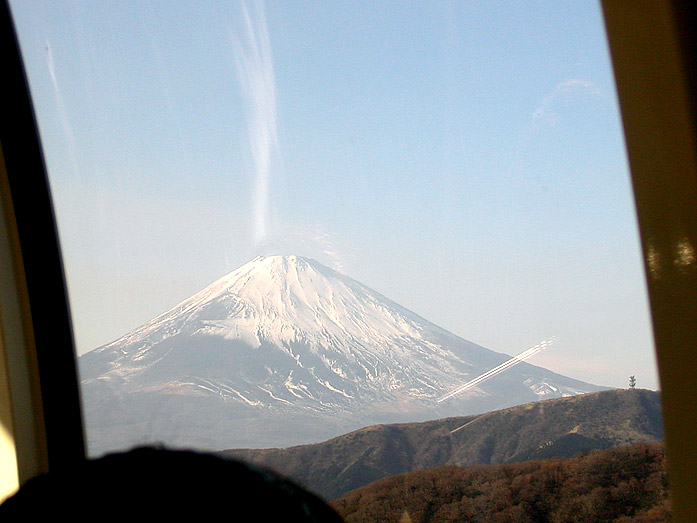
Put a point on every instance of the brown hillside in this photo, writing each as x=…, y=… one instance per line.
x=622, y=485
x=553, y=428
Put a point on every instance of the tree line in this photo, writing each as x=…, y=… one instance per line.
x=621, y=485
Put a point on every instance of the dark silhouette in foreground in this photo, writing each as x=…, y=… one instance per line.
x=160, y=484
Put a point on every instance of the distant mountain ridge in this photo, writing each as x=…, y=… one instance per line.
x=282, y=351
x=552, y=428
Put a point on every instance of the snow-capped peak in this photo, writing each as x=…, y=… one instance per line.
x=286, y=332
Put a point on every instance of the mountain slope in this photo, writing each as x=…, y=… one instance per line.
x=284, y=350
x=553, y=428
x=618, y=485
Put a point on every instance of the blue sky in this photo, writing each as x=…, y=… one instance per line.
x=463, y=158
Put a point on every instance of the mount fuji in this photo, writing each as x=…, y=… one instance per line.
x=284, y=351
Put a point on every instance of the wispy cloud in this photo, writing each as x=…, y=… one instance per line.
x=255, y=73
x=545, y=114
x=313, y=240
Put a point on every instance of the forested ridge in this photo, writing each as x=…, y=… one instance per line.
x=620, y=485
x=546, y=429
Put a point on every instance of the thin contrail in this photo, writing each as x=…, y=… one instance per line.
x=468, y=423
x=60, y=106
x=496, y=370
x=255, y=73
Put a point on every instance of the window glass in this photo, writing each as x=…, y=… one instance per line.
x=284, y=222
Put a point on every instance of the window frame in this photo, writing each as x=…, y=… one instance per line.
x=653, y=55
x=36, y=339
x=654, y=58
